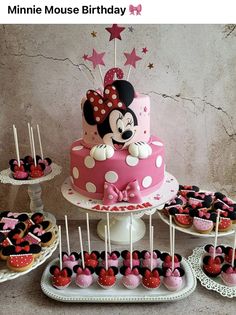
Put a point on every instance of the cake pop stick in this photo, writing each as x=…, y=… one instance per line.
x=150, y=229
x=173, y=249
x=100, y=72
x=128, y=75
x=171, y=235
x=131, y=243
x=216, y=233
x=234, y=246
x=67, y=235
x=81, y=247
x=33, y=146
x=151, y=248
x=30, y=140
x=40, y=143
x=106, y=259
x=88, y=232
x=16, y=144
x=60, y=252
x=108, y=233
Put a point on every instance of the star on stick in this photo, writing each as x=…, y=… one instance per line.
x=132, y=58
x=96, y=58
x=115, y=31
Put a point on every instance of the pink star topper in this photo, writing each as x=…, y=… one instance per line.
x=132, y=58
x=115, y=31
x=96, y=58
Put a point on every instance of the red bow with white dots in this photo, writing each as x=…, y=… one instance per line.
x=102, y=106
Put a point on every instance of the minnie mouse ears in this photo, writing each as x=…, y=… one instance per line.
x=143, y=271
x=124, y=268
x=180, y=270
x=75, y=254
x=208, y=258
x=76, y=267
x=99, y=269
x=54, y=270
x=125, y=90
x=125, y=254
x=102, y=255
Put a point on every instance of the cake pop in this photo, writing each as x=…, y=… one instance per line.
x=36, y=170
x=228, y=274
x=90, y=258
x=46, y=161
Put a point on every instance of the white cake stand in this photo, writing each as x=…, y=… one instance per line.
x=34, y=187
x=120, y=216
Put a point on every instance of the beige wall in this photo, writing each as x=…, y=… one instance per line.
x=192, y=89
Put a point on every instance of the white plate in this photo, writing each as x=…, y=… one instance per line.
x=6, y=177
x=166, y=192
x=46, y=252
x=118, y=294
x=214, y=284
x=191, y=229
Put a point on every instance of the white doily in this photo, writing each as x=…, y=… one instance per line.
x=7, y=274
x=6, y=177
x=214, y=284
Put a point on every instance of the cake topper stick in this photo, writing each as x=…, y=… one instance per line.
x=16, y=144
x=131, y=241
x=88, y=232
x=234, y=246
x=108, y=233
x=32, y=137
x=31, y=148
x=106, y=259
x=81, y=247
x=67, y=235
x=131, y=60
x=171, y=235
x=216, y=232
x=114, y=53
x=100, y=72
x=40, y=142
x=60, y=253
x=173, y=249
x=151, y=249
x=115, y=31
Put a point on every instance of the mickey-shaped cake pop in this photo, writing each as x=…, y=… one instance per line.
x=113, y=258
x=146, y=258
x=212, y=265
x=61, y=278
x=173, y=279
x=151, y=279
x=106, y=277
x=125, y=254
x=19, y=172
x=131, y=277
x=84, y=276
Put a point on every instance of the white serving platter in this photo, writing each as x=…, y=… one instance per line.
x=214, y=284
x=117, y=294
x=191, y=229
x=46, y=252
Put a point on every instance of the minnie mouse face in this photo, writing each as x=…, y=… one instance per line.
x=116, y=123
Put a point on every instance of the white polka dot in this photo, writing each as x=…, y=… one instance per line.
x=128, y=187
x=113, y=96
x=105, y=186
x=109, y=104
x=147, y=181
x=107, y=91
x=100, y=101
x=113, y=88
x=158, y=143
x=103, y=111
x=91, y=99
x=132, y=160
x=95, y=108
x=119, y=104
x=97, y=118
x=77, y=148
x=132, y=195
x=90, y=187
x=111, y=177
x=75, y=172
x=158, y=161
x=72, y=179
x=110, y=197
x=89, y=162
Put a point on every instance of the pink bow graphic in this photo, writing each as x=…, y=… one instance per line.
x=86, y=271
x=147, y=255
x=174, y=273
x=9, y=223
x=204, y=214
x=68, y=258
x=218, y=250
x=137, y=9
x=113, y=195
x=112, y=256
x=128, y=271
x=12, y=214
x=231, y=270
x=39, y=231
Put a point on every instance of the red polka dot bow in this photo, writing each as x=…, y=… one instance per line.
x=113, y=195
x=102, y=106
x=20, y=248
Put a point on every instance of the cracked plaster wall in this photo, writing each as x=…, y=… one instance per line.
x=192, y=90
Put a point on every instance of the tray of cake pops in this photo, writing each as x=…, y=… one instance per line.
x=26, y=241
x=194, y=212
x=31, y=169
x=118, y=277
x=215, y=265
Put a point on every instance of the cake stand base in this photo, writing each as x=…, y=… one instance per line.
x=119, y=229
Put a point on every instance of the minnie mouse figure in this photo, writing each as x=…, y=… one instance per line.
x=116, y=122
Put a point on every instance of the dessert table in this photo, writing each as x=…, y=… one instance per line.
x=24, y=296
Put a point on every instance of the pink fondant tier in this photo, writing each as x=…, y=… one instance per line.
x=141, y=108
x=88, y=175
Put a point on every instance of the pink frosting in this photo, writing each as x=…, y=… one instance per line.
x=88, y=176
x=169, y=264
x=131, y=281
x=229, y=278
x=202, y=224
x=172, y=283
x=111, y=262
x=140, y=106
x=155, y=262
x=83, y=280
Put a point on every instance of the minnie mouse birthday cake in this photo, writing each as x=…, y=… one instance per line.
x=116, y=159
